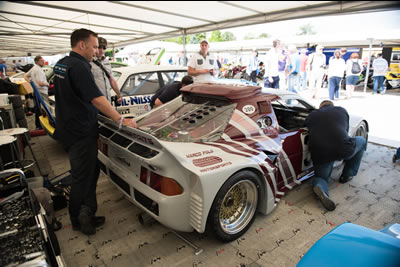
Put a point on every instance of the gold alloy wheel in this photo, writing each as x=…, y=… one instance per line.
x=238, y=207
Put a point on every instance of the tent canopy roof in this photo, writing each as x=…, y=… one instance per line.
x=44, y=27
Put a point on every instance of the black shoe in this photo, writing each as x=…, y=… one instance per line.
x=86, y=224
x=56, y=225
x=345, y=179
x=325, y=200
x=394, y=159
x=97, y=221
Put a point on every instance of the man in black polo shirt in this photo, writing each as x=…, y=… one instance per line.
x=169, y=92
x=329, y=141
x=78, y=101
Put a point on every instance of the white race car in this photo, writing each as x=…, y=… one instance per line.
x=217, y=154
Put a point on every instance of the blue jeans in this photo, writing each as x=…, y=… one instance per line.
x=334, y=84
x=322, y=172
x=303, y=79
x=293, y=81
x=398, y=153
x=274, y=84
x=378, y=81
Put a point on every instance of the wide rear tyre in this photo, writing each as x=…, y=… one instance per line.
x=234, y=208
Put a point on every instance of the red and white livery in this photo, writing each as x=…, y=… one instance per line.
x=216, y=155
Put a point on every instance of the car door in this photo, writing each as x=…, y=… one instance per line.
x=291, y=113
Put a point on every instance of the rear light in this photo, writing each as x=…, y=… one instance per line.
x=143, y=175
x=103, y=147
x=162, y=184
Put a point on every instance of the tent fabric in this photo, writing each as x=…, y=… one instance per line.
x=44, y=27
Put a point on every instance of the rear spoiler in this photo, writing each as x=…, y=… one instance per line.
x=133, y=133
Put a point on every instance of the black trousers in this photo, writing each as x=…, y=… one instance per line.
x=253, y=76
x=85, y=170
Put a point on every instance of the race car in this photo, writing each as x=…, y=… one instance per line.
x=215, y=156
x=138, y=84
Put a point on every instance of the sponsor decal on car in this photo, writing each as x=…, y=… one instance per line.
x=136, y=100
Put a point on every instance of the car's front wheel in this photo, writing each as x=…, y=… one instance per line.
x=235, y=206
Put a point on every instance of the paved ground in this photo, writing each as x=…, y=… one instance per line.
x=371, y=199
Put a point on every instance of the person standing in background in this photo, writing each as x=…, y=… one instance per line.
x=282, y=59
x=380, y=66
x=271, y=76
x=252, y=68
x=303, y=69
x=102, y=73
x=202, y=66
x=293, y=69
x=3, y=69
x=316, y=64
x=336, y=70
x=38, y=77
x=354, y=68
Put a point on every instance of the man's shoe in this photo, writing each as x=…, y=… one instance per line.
x=86, y=224
x=325, y=200
x=345, y=179
x=97, y=221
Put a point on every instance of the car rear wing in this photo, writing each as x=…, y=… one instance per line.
x=136, y=135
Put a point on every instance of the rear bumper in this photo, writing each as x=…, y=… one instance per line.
x=171, y=211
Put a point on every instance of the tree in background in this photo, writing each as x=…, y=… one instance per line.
x=306, y=29
x=216, y=36
x=228, y=36
x=251, y=36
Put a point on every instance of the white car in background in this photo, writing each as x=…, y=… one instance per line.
x=138, y=84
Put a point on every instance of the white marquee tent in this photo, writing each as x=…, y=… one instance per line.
x=44, y=27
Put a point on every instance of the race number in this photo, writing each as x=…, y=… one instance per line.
x=248, y=109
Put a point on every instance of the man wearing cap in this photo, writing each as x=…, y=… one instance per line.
x=102, y=73
x=202, y=66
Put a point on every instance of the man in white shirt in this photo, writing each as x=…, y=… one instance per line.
x=38, y=77
x=102, y=73
x=271, y=76
x=202, y=66
x=380, y=66
x=336, y=70
x=316, y=68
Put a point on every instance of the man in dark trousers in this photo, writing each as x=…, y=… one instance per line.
x=78, y=101
x=329, y=141
x=169, y=92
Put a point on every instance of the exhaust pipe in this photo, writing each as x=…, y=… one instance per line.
x=145, y=219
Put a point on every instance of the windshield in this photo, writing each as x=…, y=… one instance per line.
x=181, y=121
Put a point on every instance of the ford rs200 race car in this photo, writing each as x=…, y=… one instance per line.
x=218, y=154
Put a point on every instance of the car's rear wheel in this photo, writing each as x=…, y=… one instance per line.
x=362, y=130
x=235, y=206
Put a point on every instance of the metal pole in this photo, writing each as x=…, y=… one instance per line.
x=184, y=48
x=368, y=64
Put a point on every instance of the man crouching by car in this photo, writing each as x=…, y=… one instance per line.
x=329, y=141
x=78, y=102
